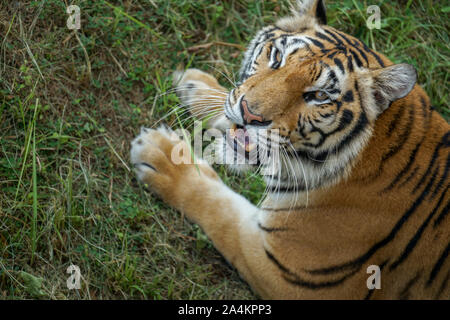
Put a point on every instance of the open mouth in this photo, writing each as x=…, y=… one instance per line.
x=240, y=137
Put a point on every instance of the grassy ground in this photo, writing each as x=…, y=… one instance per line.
x=70, y=103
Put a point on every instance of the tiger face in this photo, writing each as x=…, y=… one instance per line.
x=320, y=89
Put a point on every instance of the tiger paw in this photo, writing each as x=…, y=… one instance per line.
x=163, y=162
x=194, y=85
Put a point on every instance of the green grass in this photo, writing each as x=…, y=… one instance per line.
x=69, y=106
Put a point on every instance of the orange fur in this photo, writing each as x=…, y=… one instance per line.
x=388, y=207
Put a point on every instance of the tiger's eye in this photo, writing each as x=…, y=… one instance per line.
x=321, y=96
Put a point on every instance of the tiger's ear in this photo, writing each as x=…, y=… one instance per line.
x=305, y=14
x=312, y=8
x=390, y=84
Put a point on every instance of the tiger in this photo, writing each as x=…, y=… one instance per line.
x=362, y=182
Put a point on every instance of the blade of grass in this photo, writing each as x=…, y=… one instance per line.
x=4, y=41
x=35, y=204
x=139, y=23
x=30, y=53
x=117, y=155
x=69, y=189
x=27, y=147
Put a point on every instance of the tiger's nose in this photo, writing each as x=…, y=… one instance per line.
x=250, y=117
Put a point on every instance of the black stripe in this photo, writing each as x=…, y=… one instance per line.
x=359, y=127
x=270, y=230
x=350, y=63
x=415, y=239
x=369, y=294
x=362, y=54
x=334, y=91
x=426, y=111
x=313, y=70
x=404, y=294
x=403, y=137
x=343, y=36
x=248, y=64
x=319, y=74
x=393, y=124
x=332, y=77
x=412, y=156
x=339, y=41
x=339, y=64
x=356, y=45
x=296, y=280
x=344, y=121
x=332, y=54
x=326, y=115
x=444, y=142
x=324, y=37
x=348, y=97
x=411, y=176
x=376, y=56
x=319, y=285
x=380, y=244
x=437, y=267
x=278, y=264
x=442, y=215
x=406, y=168
x=357, y=59
x=269, y=51
x=443, y=286
x=316, y=43
x=443, y=178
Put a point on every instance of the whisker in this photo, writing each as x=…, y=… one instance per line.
x=304, y=173
x=232, y=82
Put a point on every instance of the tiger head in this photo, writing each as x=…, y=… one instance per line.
x=321, y=89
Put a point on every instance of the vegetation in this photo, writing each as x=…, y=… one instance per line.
x=70, y=102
